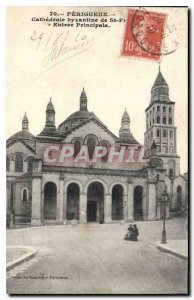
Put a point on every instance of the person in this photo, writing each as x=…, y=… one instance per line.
x=135, y=232
x=129, y=233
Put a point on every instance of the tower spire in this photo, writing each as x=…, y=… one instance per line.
x=160, y=89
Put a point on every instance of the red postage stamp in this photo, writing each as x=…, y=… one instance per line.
x=144, y=34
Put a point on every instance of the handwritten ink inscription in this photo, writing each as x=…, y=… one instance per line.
x=56, y=48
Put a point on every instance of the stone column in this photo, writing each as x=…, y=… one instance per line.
x=152, y=201
x=97, y=211
x=107, y=208
x=130, y=216
x=36, y=202
x=83, y=208
x=42, y=204
x=64, y=207
x=125, y=208
x=60, y=202
x=144, y=205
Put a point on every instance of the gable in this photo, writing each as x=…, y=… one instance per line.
x=91, y=127
x=19, y=147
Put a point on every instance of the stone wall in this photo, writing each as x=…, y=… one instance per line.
x=22, y=204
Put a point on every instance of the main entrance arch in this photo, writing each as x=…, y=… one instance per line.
x=95, y=202
x=73, y=192
x=50, y=201
x=138, y=203
x=117, y=202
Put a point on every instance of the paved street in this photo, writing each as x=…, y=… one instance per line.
x=94, y=259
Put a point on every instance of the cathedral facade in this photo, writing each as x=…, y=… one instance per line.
x=40, y=192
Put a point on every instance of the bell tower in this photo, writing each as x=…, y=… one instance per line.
x=160, y=127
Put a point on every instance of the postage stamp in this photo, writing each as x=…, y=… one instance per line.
x=144, y=34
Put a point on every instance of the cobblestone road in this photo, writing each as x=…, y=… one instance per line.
x=94, y=259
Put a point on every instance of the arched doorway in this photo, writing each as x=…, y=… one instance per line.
x=50, y=201
x=73, y=201
x=117, y=202
x=137, y=203
x=179, y=196
x=95, y=202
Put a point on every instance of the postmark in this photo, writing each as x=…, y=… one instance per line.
x=149, y=35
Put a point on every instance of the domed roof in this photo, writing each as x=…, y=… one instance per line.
x=22, y=135
x=80, y=114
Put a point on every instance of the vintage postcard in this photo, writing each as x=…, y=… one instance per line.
x=96, y=150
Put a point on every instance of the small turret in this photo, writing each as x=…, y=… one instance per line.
x=83, y=100
x=50, y=128
x=50, y=114
x=25, y=122
x=124, y=132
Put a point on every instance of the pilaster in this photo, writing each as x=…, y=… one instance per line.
x=130, y=201
x=83, y=208
x=61, y=193
x=108, y=208
x=152, y=200
x=36, y=202
x=64, y=206
x=125, y=208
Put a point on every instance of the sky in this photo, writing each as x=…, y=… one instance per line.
x=39, y=67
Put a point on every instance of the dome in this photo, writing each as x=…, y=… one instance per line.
x=80, y=114
x=22, y=135
x=79, y=117
x=74, y=120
